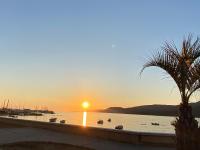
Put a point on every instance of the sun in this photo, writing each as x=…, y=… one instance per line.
x=85, y=104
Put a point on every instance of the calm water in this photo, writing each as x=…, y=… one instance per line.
x=130, y=122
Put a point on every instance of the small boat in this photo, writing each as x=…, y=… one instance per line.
x=12, y=116
x=109, y=120
x=155, y=124
x=52, y=119
x=119, y=127
x=62, y=121
x=100, y=122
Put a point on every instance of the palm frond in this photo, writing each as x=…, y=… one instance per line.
x=165, y=61
x=183, y=66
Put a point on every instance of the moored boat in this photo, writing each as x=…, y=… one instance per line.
x=155, y=124
x=100, y=122
x=62, y=121
x=52, y=119
x=13, y=116
x=119, y=127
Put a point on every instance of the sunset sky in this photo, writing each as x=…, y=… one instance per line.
x=58, y=53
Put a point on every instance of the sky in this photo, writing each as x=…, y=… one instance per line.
x=59, y=53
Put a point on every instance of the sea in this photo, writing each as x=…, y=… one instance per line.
x=130, y=122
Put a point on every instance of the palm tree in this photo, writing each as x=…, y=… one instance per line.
x=184, y=67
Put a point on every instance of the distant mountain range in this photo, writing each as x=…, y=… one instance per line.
x=158, y=110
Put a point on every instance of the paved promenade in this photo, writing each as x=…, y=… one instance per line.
x=12, y=135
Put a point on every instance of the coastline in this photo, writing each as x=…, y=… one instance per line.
x=153, y=110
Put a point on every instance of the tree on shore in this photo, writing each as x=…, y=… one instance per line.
x=183, y=66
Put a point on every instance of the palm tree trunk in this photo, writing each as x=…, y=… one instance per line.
x=185, y=127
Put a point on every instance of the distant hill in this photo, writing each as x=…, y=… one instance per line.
x=158, y=110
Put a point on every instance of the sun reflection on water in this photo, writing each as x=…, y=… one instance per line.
x=84, y=118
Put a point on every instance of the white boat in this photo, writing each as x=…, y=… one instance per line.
x=100, y=122
x=119, y=127
x=62, y=121
x=52, y=119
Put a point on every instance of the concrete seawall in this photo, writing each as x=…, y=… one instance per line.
x=109, y=134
